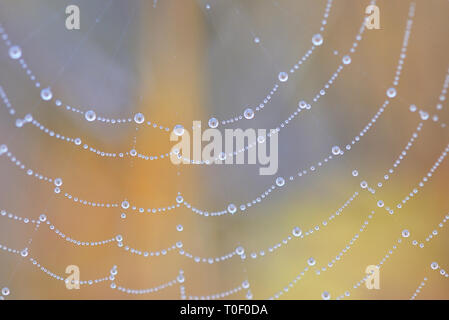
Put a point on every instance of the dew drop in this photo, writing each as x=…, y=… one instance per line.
x=5, y=291
x=424, y=115
x=364, y=184
x=283, y=76
x=280, y=181
x=125, y=204
x=139, y=118
x=248, y=113
x=311, y=261
x=58, y=182
x=355, y=173
x=413, y=108
x=42, y=217
x=90, y=115
x=317, y=39
x=302, y=104
x=232, y=208
x=380, y=203
x=297, y=232
x=346, y=59
x=179, y=227
x=15, y=52
x=405, y=233
x=239, y=250
x=213, y=123
x=46, y=94
x=24, y=252
x=434, y=265
x=336, y=150
x=391, y=92
x=3, y=149
x=325, y=295
x=179, y=130
x=179, y=199
x=222, y=156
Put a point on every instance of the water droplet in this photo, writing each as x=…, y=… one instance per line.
x=380, y=203
x=179, y=130
x=3, y=149
x=364, y=184
x=46, y=94
x=317, y=39
x=283, y=76
x=90, y=115
x=405, y=233
x=5, y=291
x=336, y=150
x=346, y=59
x=325, y=295
x=58, y=182
x=213, y=123
x=180, y=278
x=413, y=108
x=424, y=115
x=311, y=261
x=125, y=204
x=179, y=199
x=179, y=227
x=15, y=52
x=139, y=118
x=28, y=118
x=256, y=40
x=297, y=232
x=245, y=284
x=355, y=173
x=239, y=250
x=24, y=252
x=248, y=113
x=42, y=217
x=119, y=238
x=232, y=208
x=302, y=104
x=222, y=156
x=280, y=181
x=434, y=265
x=391, y=92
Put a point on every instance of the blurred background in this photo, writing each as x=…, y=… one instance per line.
x=179, y=61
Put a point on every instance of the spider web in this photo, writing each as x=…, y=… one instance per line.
x=169, y=231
